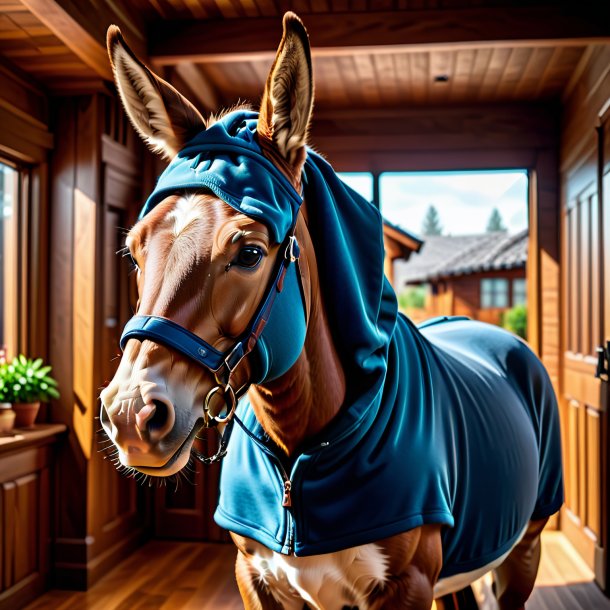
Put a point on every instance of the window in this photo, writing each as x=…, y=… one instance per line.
x=9, y=193
x=494, y=293
x=519, y=292
x=361, y=182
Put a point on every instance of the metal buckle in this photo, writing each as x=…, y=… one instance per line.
x=230, y=401
x=292, y=249
x=227, y=360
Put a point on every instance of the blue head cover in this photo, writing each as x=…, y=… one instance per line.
x=227, y=160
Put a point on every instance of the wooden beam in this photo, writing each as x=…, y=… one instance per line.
x=199, y=85
x=391, y=31
x=81, y=26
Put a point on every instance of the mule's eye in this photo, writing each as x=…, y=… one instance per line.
x=249, y=257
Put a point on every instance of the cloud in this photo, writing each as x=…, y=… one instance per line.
x=464, y=200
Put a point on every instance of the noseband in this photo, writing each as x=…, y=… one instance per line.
x=220, y=364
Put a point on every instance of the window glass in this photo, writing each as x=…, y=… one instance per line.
x=361, y=182
x=462, y=202
x=519, y=292
x=9, y=185
x=494, y=292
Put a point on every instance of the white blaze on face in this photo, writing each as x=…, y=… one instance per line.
x=184, y=213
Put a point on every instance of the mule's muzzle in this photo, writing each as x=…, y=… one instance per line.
x=140, y=427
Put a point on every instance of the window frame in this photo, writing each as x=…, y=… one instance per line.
x=14, y=318
x=494, y=281
x=524, y=291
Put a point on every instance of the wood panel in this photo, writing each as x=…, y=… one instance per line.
x=26, y=462
x=581, y=390
x=393, y=79
x=96, y=192
x=185, y=511
x=357, y=33
x=33, y=47
x=602, y=569
x=585, y=298
x=84, y=320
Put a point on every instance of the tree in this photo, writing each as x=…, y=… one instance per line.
x=432, y=224
x=495, y=222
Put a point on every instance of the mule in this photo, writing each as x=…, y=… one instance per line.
x=368, y=463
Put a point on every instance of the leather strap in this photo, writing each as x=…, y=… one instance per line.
x=169, y=333
x=162, y=330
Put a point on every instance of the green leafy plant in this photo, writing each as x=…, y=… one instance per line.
x=26, y=380
x=515, y=320
x=413, y=297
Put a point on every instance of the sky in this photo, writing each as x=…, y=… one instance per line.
x=464, y=200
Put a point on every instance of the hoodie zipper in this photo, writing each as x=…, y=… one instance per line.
x=286, y=487
x=287, y=504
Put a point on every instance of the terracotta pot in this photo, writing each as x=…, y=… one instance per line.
x=26, y=413
x=7, y=418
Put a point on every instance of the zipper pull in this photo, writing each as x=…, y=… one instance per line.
x=287, y=500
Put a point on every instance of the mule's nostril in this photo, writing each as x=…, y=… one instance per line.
x=159, y=417
x=154, y=420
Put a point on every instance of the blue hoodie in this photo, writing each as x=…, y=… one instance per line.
x=454, y=422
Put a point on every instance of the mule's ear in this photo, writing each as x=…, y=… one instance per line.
x=288, y=97
x=164, y=118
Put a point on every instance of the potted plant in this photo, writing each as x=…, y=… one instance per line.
x=24, y=383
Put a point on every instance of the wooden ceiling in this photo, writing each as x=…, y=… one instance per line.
x=367, y=53
x=371, y=80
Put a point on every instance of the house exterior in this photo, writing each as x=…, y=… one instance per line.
x=399, y=244
x=412, y=86
x=479, y=276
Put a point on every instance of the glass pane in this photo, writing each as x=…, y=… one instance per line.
x=9, y=185
x=486, y=293
x=519, y=292
x=500, y=297
x=494, y=292
x=361, y=182
x=463, y=201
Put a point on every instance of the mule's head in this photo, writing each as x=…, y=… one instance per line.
x=200, y=262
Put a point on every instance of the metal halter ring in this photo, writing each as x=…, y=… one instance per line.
x=230, y=402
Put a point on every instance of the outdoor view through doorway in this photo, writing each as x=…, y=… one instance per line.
x=465, y=240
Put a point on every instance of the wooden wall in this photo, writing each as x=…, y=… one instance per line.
x=585, y=213
x=467, y=295
x=96, y=189
x=26, y=512
x=461, y=296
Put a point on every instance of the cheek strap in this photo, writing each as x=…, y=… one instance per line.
x=169, y=333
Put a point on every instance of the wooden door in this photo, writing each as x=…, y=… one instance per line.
x=602, y=569
x=585, y=395
x=580, y=400
x=184, y=508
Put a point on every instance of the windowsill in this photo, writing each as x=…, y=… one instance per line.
x=39, y=434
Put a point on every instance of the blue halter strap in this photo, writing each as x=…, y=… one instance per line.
x=171, y=334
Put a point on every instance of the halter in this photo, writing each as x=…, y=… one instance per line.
x=226, y=159
x=220, y=364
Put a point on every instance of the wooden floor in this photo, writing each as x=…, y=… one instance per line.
x=197, y=576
